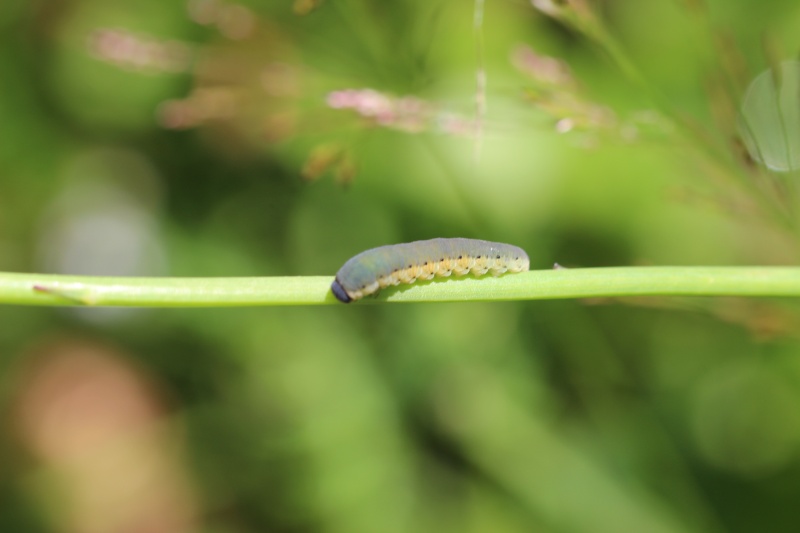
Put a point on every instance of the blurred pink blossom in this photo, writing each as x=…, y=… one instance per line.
x=126, y=49
x=407, y=113
x=234, y=21
x=544, y=69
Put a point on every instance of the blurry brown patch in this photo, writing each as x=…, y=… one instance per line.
x=108, y=458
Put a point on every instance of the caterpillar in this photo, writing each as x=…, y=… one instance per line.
x=378, y=268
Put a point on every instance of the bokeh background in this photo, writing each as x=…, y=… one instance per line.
x=220, y=138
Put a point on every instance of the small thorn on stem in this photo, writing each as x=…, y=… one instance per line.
x=85, y=299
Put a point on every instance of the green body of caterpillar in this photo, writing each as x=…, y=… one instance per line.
x=381, y=267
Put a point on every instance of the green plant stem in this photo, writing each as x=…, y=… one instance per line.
x=56, y=290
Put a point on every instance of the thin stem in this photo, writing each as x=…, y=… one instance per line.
x=55, y=290
x=480, y=78
x=698, y=141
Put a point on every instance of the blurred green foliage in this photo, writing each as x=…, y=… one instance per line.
x=168, y=138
